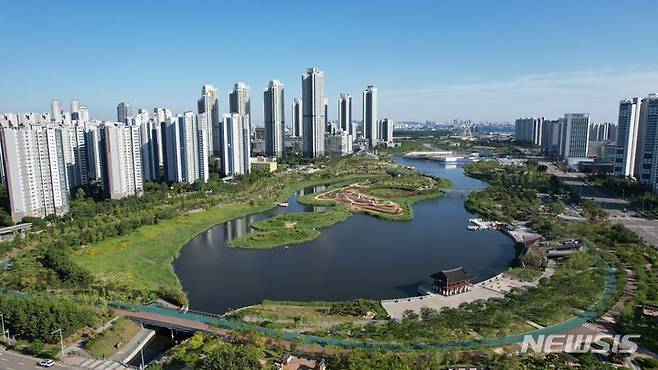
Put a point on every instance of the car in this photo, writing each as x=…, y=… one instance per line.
x=46, y=362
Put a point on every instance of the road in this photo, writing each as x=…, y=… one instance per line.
x=15, y=361
x=618, y=210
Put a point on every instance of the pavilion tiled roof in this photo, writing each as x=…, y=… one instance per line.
x=455, y=275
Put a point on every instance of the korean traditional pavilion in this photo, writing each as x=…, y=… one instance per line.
x=451, y=282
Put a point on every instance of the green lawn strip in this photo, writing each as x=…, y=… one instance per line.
x=105, y=344
x=289, y=229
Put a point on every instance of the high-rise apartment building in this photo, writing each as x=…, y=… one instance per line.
x=236, y=147
x=386, y=131
x=56, y=110
x=124, y=110
x=75, y=109
x=647, y=152
x=550, y=135
x=240, y=103
x=529, y=130
x=370, y=122
x=313, y=108
x=575, y=135
x=35, y=170
x=274, y=114
x=187, y=153
x=123, y=160
x=297, y=117
x=209, y=104
x=627, y=136
x=345, y=112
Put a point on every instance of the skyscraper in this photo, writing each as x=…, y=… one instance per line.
x=75, y=109
x=124, y=111
x=550, y=135
x=575, y=135
x=35, y=170
x=386, y=131
x=326, y=111
x=240, y=103
x=313, y=108
x=627, y=136
x=209, y=104
x=123, y=160
x=297, y=117
x=187, y=153
x=83, y=115
x=345, y=112
x=274, y=114
x=370, y=129
x=235, y=156
x=160, y=117
x=56, y=110
x=647, y=152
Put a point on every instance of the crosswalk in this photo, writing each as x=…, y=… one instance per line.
x=103, y=365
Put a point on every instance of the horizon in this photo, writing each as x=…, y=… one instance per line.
x=478, y=61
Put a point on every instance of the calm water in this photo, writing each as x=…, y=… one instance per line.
x=362, y=257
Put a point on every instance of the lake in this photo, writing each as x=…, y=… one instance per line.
x=363, y=257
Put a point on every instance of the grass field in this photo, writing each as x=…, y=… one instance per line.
x=105, y=344
x=289, y=229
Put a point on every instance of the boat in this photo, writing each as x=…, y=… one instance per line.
x=282, y=204
x=472, y=227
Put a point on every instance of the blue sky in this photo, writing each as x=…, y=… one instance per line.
x=434, y=60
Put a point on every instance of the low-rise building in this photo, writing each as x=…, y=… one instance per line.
x=267, y=164
x=453, y=281
x=339, y=143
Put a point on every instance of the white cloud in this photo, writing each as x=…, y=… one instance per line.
x=551, y=94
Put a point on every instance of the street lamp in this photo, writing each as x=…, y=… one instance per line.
x=61, y=338
x=4, y=333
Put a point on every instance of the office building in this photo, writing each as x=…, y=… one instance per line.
x=574, y=136
x=124, y=110
x=236, y=146
x=370, y=129
x=274, y=114
x=345, y=112
x=123, y=160
x=313, y=117
x=297, y=117
x=627, y=136
x=264, y=164
x=240, y=103
x=326, y=111
x=35, y=170
x=209, y=104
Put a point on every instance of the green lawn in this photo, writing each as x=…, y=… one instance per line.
x=105, y=344
x=289, y=229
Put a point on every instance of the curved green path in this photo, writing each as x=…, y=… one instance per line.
x=576, y=321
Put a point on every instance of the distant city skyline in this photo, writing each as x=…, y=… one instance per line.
x=435, y=61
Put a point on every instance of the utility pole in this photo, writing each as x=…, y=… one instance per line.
x=61, y=338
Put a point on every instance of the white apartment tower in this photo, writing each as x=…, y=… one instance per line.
x=35, y=170
x=236, y=147
x=313, y=118
x=240, y=102
x=123, y=160
x=209, y=104
x=627, y=135
x=370, y=129
x=187, y=152
x=274, y=114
